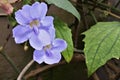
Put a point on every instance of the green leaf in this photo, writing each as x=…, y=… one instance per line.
x=12, y=21
x=66, y=5
x=63, y=32
x=102, y=42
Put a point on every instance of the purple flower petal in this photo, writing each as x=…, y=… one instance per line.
x=38, y=56
x=50, y=30
x=47, y=21
x=52, y=57
x=44, y=37
x=21, y=33
x=26, y=11
x=35, y=42
x=38, y=10
x=52, y=33
x=23, y=16
x=59, y=45
x=20, y=18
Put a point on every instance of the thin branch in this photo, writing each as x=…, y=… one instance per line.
x=93, y=16
x=100, y=1
x=117, y=4
x=76, y=57
x=44, y=68
x=41, y=69
x=102, y=5
x=109, y=7
x=78, y=50
x=76, y=32
x=25, y=69
x=83, y=17
x=108, y=12
x=113, y=67
x=95, y=76
x=114, y=15
x=108, y=71
x=10, y=62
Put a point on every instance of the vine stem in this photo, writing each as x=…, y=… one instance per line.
x=93, y=16
x=107, y=6
x=102, y=5
x=41, y=69
x=117, y=4
x=76, y=58
x=10, y=62
x=95, y=76
x=108, y=12
x=24, y=70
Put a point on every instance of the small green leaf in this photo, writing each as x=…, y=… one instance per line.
x=102, y=42
x=12, y=21
x=66, y=5
x=63, y=32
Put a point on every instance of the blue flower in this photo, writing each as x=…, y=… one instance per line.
x=50, y=54
x=34, y=25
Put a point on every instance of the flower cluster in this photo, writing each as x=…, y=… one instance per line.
x=38, y=28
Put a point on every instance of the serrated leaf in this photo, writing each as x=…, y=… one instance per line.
x=66, y=5
x=102, y=42
x=63, y=32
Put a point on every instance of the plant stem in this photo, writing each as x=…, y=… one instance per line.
x=108, y=12
x=102, y=5
x=100, y=1
x=76, y=58
x=93, y=16
x=10, y=62
x=110, y=7
x=41, y=69
x=78, y=50
x=117, y=3
x=25, y=69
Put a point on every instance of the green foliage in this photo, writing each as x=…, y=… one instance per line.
x=102, y=42
x=62, y=31
x=66, y=5
x=12, y=21
x=26, y=2
x=37, y=0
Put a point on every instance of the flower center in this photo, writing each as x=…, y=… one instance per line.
x=34, y=23
x=47, y=47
